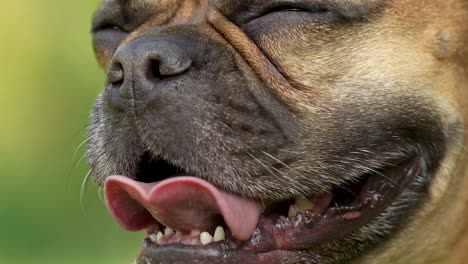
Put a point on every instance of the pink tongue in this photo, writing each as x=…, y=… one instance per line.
x=182, y=203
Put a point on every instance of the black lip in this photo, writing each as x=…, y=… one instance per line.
x=212, y=253
x=219, y=252
x=277, y=239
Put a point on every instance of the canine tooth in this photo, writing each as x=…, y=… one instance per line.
x=205, y=238
x=301, y=204
x=219, y=234
x=195, y=232
x=159, y=237
x=292, y=211
x=153, y=238
x=168, y=231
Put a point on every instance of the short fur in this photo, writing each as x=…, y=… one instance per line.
x=279, y=104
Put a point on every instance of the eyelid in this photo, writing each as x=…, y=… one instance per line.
x=106, y=26
x=287, y=6
x=295, y=6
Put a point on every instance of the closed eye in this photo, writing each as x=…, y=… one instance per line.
x=106, y=39
x=328, y=11
x=106, y=26
x=297, y=7
x=292, y=7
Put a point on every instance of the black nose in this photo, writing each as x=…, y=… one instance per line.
x=139, y=65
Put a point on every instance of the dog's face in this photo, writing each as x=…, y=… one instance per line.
x=312, y=130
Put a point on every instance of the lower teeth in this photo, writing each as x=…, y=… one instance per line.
x=203, y=238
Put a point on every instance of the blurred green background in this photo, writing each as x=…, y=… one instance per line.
x=48, y=82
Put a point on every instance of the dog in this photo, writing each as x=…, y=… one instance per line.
x=308, y=131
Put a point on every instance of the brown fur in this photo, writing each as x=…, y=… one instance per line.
x=407, y=59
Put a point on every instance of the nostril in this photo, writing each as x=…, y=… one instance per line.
x=116, y=76
x=141, y=66
x=154, y=70
x=160, y=67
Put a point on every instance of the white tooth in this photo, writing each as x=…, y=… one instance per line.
x=154, y=238
x=195, y=232
x=301, y=205
x=205, y=238
x=159, y=237
x=292, y=211
x=219, y=234
x=168, y=231
x=178, y=233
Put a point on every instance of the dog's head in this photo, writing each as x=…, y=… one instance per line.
x=309, y=130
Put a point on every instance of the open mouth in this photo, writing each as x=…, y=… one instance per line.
x=189, y=220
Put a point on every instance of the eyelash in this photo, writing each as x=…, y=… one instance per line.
x=295, y=7
x=112, y=27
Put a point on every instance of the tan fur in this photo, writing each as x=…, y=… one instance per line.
x=438, y=233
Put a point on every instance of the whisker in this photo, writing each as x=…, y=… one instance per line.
x=101, y=195
x=465, y=148
x=281, y=162
x=83, y=192
x=261, y=163
x=290, y=151
x=365, y=167
x=224, y=125
x=386, y=177
x=79, y=160
x=353, y=193
x=79, y=146
x=460, y=141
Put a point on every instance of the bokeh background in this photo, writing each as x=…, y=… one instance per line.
x=48, y=82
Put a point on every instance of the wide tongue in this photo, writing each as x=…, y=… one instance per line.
x=182, y=203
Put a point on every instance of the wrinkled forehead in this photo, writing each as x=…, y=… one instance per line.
x=132, y=5
x=322, y=3
x=237, y=2
x=234, y=10
x=228, y=5
x=129, y=4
